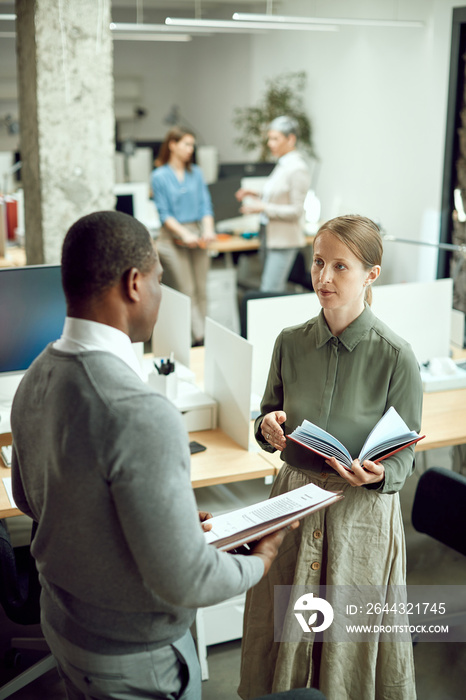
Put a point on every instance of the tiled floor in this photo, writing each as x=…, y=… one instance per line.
x=440, y=667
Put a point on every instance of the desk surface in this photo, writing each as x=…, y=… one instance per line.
x=225, y=461
x=15, y=257
x=443, y=419
x=238, y=244
x=222, y=462
x=443, y=423
x=233, y=243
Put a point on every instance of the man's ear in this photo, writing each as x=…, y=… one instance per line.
x=130, y=282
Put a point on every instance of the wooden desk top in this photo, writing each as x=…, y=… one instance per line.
x=222, y=462
x=233, y=243
x=225, y=461
x=237, y=244
x=15, y=257
x=443, y=423
x=443, y=419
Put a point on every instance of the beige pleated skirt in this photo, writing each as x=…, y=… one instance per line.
x=357, y=541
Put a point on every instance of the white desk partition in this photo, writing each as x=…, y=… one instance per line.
x=227, y=378
x=172, y=332
x=265, y=319
x=420, y=312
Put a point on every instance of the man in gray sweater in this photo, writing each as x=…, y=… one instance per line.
x=102, y=465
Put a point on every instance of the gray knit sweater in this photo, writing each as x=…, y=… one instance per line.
x=102, y=463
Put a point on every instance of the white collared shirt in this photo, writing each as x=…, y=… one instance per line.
x=80, y=335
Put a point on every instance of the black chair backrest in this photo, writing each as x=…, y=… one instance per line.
x=439, y=507
x=19, y=582
x=300, y=273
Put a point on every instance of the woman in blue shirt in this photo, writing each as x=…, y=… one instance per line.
x=185, y=209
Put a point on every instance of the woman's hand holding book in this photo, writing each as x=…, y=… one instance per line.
x=366, y=473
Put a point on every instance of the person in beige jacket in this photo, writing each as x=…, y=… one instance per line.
x=281, y=205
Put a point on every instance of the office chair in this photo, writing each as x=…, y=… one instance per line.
x=438, y=511
x=438, y=507
x=19, y=597
x=300, y=272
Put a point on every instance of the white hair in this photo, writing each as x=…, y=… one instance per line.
x=286, y=125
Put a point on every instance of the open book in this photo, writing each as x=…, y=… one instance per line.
x=388, y=436
x=253, y=522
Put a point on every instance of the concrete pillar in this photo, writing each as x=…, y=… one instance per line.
x=65, y=83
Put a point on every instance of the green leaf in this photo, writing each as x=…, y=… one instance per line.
x=283, y=96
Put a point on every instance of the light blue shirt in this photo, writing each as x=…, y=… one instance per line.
x=186, y=201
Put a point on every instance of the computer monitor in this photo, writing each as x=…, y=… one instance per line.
x=133, y=198
x=32, y=313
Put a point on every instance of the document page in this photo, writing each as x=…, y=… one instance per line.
x=266, y=516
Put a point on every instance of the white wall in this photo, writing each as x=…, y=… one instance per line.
x=207, y=78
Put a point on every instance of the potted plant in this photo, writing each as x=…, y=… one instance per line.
x=283, y=96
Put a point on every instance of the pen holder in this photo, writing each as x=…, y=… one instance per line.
x=166, y=384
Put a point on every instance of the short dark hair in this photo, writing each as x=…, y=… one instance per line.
x=97, y=251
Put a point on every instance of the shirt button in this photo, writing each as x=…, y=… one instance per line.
x=315, y=566
x=323, y=475
x=317, y=534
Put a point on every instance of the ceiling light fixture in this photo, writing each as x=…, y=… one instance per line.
x=148, y=36
x=7, y=18
x=340, y=21
x=121, y=27
x=146, y=32
x=235, y=26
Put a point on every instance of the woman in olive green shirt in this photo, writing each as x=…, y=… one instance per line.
x=342, y=371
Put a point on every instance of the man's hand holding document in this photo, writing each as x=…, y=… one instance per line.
x=244, y=525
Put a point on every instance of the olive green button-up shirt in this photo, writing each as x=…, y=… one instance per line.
x=343, y=384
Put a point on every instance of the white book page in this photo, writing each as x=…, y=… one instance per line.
x=310, y=429
x=391, y=426
x=259, y=513
x=7, y=483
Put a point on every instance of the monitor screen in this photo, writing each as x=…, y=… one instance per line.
x=32, y=313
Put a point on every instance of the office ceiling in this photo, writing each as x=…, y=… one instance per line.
x=189, y=5
x=170, y=6
x=155, y=11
